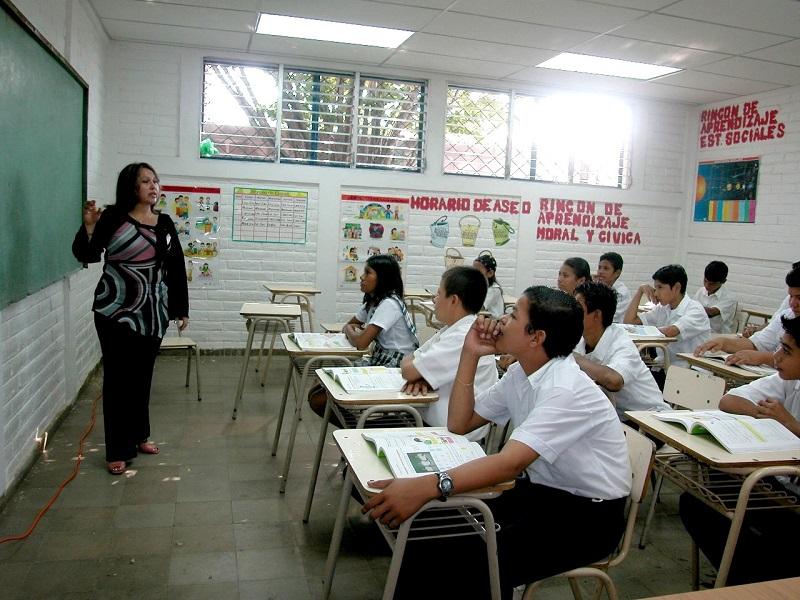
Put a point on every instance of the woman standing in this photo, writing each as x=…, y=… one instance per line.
x=143, y=286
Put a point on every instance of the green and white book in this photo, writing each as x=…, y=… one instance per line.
x=413, y=453
x=367, y=379
x=321, y=341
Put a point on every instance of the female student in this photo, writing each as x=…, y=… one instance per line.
x=142, y=287
x=572, y=273
x=486, y=264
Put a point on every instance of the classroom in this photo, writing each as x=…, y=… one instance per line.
x=427, y=151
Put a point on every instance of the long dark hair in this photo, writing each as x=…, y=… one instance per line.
x=490, y=264
x=126, y=186
x=389, y=282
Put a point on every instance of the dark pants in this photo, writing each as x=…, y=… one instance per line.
x=128, y=361
x=543, y=532
x=767, y=544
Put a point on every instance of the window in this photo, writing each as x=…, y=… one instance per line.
x=577, y=139
x=303, y=116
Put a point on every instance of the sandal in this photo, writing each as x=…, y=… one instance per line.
x=117, y=467
x=148, y=448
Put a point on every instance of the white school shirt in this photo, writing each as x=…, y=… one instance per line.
x=437, y=361
x=772, y=386
x=623, y=300
x=494, y=301
x=395, y=334
x=769, y=338
x=725, y=302
x=691, y=320
x=563, y=416
x=616, y=350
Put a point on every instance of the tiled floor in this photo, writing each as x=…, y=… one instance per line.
x=205, y=519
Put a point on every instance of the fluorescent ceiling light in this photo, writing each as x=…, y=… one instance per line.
x=331, y=31
x=597, y=65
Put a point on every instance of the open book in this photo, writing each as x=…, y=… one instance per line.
x=643, y=330
x=321, y=341
x=758, y=369
x=736, y=433
x=367, y=379
x=412, y=453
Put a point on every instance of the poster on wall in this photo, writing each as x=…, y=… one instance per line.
x=270, y=215
x=195, y=212
x=370, y=225
x=726, y=191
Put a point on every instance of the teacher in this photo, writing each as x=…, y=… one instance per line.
x=143, y=286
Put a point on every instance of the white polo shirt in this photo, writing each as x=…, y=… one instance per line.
x=563, y=416
x=437, y=361
x=395, y=334
x=494, y=301
x=623, y=300
x=725, y=302
x=691, y=320
x=772, y=386
x=616, y=350
x=769, y=338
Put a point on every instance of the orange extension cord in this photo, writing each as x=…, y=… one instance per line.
x=64, y=484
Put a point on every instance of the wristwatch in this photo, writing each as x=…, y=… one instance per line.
x=445, y=485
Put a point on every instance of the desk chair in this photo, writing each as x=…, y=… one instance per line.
x=693, y=390
x=185, y=343
x=641, y=451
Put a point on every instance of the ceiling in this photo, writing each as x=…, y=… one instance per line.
x=726, y=48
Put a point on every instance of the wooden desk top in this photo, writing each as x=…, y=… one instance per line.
x=371, y=398
x=367, y=466
x=292, y=288
x=416, y=293
x=296, y=351
x=177, y=342
x=780, y=589
x=265, y=310
x=704, y=448
x=718, y=367
x=509, y=300
x=641, y=339
x=332, y=327
x=757, y=312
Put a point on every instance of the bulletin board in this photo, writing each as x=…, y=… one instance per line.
x=270, y=215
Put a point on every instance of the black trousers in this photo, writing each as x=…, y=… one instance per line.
x=543, y=532
x=128, y=361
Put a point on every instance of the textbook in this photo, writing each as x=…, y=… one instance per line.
x=367, y=379
x=758, y=369
x=643, y=330
x=413, y=453
x=321, y=341
x=736, y=433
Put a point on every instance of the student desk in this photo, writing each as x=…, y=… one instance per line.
x=755, y=312
x=509, y=301
x=413, y=298
x=258, y=313
x=363, y=466
x=300, y=363
x=704, y=470
x=353, y=409
x=659, y=342
x=779, y=589
x=330, y=327
x=730, y=373
x=303, y=295
x=427, y=308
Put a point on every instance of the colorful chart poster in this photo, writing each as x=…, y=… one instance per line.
x=726, y=191
x=370, y=225
x=195, y=212
x=270, y=216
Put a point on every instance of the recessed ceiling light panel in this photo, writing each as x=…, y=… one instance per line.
x=331, y=31
x=597, y=65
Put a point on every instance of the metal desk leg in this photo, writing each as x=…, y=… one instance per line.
x=323, y=433
x=298, y=405
x=251, y=329
x=279, y=423
x=336, y=536
x=188, y=363
x=285, y=323
x=197, y=370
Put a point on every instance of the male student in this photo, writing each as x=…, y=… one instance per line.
x=758, y=348
x=675, y=314
x=607, y=354
x=719, y=303
x=459, y=298
x=608, y=271
x=567, y=440
x=767, y=544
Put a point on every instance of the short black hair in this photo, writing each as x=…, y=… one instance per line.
x=793, y=278
x=579, y=266
x=672, y=274
x=614, y=258
x=390, y=280
x=599, y=296
x=792, y=327
x=559, y=315
x=469, y=284
x=127, y=180
x=716, y=271
x=490, y=264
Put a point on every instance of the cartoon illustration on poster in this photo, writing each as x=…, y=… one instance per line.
x=440, y=231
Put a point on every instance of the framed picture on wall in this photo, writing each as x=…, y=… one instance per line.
x=726, y=191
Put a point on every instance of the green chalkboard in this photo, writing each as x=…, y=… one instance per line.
x=43, y=118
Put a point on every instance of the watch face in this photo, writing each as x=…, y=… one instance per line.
x=445, y=484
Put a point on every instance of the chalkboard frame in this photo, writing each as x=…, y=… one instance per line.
x=16, y=286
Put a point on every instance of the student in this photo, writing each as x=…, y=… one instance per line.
x=608, y=271
x=433, y=366
x=675, y=315
x=569, y=510
x=758, y=348
x=766, y=548
x=494, y=305
x=720, y=305
x=572, y=273
x=607, y=354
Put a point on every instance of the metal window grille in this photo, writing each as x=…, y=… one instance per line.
x=391, y=124
x=476, y=132
x=240, y=110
